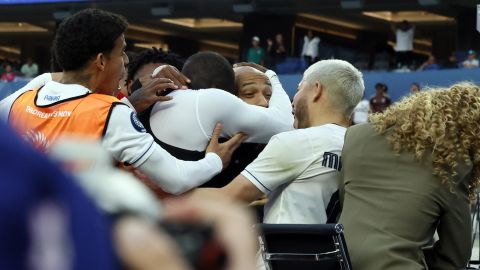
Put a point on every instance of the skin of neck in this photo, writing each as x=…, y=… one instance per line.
x=323, y=117
x=84, y=77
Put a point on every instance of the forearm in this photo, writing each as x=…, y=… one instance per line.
x=280, y=101
x=178, y=176
x=259, y=123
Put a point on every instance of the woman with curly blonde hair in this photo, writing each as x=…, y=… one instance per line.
x=408, y=173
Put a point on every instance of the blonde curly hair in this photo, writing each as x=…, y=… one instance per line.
x=445, y=121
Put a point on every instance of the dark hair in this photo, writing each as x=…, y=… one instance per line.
x=87, y=33
x=209, y=70
x=417, y=85
x=152, y=56
x=381, y=85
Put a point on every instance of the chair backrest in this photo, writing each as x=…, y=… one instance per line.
x=303, y=246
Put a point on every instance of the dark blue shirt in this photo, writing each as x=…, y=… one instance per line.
x=42, y=209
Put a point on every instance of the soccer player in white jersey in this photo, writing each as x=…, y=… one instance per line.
x=90, y=48
x=183, y=125
x=299, y=169
x=186, y=121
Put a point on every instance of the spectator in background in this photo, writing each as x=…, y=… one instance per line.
x=380, y=101
x=452, y=61
x=256, y=54
x=430, y=64
x=9, y=75
x=361, y=111
x=414, y=88
x=310, y=47
x=29, y=69
x=270, y=55
x=280, y=50
x=471, y=61
x=404, y=34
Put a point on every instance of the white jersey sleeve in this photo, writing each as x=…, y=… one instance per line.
x=6, y=103
x=127, y=102
x=279, y=103
x=259, y=123
x=281, y=162
x=125, y=138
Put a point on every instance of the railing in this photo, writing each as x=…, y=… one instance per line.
x=398, y=83
x=6, y=88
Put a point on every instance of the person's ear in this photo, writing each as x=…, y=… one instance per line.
x=100, y=61
x=318, y=91
x=129, y=87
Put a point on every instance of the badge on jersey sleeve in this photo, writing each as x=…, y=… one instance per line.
x=136, y=123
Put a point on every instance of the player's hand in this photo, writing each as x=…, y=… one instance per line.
x=150, y=92
x=249, y=64
x=172, y=73
x=226, y=149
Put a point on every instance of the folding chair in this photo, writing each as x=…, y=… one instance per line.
x=303, y=246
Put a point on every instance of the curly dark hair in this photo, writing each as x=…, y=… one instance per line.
x=152, y=56
x=87, y=33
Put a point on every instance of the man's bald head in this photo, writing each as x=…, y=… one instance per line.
x=244, y=74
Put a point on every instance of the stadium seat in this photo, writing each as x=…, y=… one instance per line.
x=303, y=246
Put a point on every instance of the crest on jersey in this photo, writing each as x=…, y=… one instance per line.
x=136, y=123
x=37, y=139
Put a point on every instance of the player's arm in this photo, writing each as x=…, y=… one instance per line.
x=35, y=83
x=279, y=101
x=272, y=168
x=126, y=139
x=259, y=123
x=240, y=189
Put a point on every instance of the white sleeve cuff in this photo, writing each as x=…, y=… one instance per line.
x=255, y=181
x=127, y=102
x=271, y=74
x=142, y=158
x=215, y=161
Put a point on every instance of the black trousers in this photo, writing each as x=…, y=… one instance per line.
x=404, y=58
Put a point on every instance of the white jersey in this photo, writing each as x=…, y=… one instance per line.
x=360, y=113
x=310, y=47
x=187, y=121
x=404, y=40
x=34, y=84
x=126, y=140
x=299, y=171
x=470, y=63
